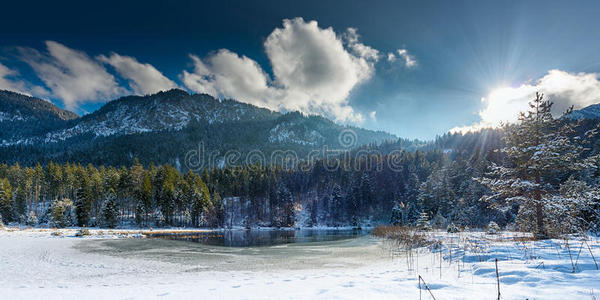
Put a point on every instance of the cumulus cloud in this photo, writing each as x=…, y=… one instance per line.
x=143, y=78
x=314, y=71
x=360, y=49
x=391, y=57
x=71, y=75
x=226, y=73
x=562, y=88
x=408, y=60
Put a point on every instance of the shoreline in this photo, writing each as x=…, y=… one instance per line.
x=144, y=232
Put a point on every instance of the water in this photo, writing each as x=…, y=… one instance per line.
x=259, y=238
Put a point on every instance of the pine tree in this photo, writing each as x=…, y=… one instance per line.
x=337, y=204
x=6, y=205
x=32, y=219
x=539, y=156
x=423, y=221
x=110, y=211
x=200, y=198
x=354, y=203
x=397, y=217
x=61, y=212
x=20, y=201
x=287, y=217
x=219, y=209
x=144, y=199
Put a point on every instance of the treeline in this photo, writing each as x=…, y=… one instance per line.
x=355, y=191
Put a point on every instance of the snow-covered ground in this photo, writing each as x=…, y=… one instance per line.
x=36, y=265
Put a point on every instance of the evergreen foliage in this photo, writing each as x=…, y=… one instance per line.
x=110, y=211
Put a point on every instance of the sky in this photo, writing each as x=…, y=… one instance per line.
x=416, y=69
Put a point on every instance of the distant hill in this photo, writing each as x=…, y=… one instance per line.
x=165, y=127
x=23, y=116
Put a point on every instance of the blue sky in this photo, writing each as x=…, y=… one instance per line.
x=447, y=56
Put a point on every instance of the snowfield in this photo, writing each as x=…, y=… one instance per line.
x=37, y=265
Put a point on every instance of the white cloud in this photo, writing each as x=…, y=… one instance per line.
x=9, y=81
x=71, y=75
x=373, y=115
x=313, y=71
x=408, y=60
x=391, y=57
x=143, y=78
x=562, y=88
x=227, y=74
x=360, y=49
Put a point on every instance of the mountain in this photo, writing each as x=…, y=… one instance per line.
x=23, y=116
x=169, y=110
x=589, y=112
x=167, y=126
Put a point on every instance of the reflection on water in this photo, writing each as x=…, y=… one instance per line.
x=253, y=238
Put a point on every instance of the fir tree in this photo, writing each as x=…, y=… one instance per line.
x=337, y=204
x=423, y=221
x=219, y=209
x=6, y=207
x=200, y=198
x=32, y=219
x=61, y=212
x=287, y=217
x=110, y=211
x=397, y=217
x=539, y=155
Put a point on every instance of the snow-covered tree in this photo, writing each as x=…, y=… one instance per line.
x=539, y=155
x=32, y=219
x=493, y=228
x=62, y=212
x=337, y=204
x=6, y=207
x=398, y=214
x=110, y=211
x=423, y=221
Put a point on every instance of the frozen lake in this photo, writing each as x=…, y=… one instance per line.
x=259, y=238
x=303, y=250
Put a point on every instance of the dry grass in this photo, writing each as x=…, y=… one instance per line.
x=408, y=237
x=525, y=239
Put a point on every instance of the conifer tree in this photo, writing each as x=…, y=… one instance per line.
x=284, y=195
x=6, y=209
x=397, y=217
x=110, y=211
x=337, y=204
x=200, y=198
x=423, y=221
x=539, y=156
x=219, y=209
x=32, y=219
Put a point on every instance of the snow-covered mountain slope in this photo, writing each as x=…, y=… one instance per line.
x=23, y=116
x=162, y=127
x=589, y=112
x=170, y=110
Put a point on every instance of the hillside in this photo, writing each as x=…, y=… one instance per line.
x=166, y=126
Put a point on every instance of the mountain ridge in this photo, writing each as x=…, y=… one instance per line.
x=161, y=127
x=22, y=116
x=588, y=112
